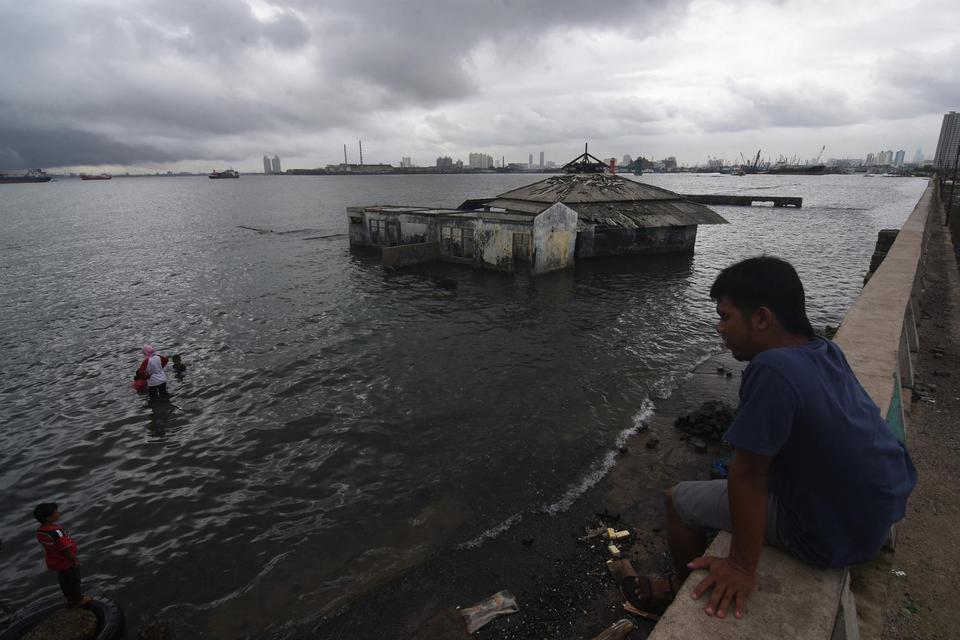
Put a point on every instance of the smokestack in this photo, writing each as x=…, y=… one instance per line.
x=344, y=154
x=360, y=142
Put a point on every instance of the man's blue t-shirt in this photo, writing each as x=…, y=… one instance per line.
x=839, y=474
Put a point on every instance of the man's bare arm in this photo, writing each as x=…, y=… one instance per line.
x=732, y=578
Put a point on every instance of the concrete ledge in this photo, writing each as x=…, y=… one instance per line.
x=792, y=599
x=872, y=332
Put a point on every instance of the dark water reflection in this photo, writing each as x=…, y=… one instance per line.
x=336, y=422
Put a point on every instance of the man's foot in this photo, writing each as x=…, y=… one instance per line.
x=82, y=602
x=644, y=594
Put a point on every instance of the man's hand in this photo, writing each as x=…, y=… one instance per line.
x=730, y=582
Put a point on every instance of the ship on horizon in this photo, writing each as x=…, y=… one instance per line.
x=32, y=175
x=219, y=175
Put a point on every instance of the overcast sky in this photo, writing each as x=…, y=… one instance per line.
x=201, y=84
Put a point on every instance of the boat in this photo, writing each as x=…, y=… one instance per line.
x=33, y=175
x=738, y=171
x=99, y=176
x=219, y=175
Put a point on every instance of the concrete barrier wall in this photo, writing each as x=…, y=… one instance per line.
x=407, y=254
x=793, y=600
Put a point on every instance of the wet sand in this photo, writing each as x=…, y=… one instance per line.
x=561, y=584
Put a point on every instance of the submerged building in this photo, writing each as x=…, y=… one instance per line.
x=542, y=227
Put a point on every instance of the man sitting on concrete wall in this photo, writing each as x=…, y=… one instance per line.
x=816, y=470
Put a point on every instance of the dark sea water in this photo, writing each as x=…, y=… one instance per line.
x=337, y=424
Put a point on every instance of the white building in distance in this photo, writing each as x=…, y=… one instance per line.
x=275, y=164
x=479, y=161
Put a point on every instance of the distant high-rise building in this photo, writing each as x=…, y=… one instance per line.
x=530, y=161
x=949, y=142
x=405, y=162
x=898, y=158
x=444, y=162
x=869, y=161
x=541, y=160
x=627, y=160
x=479, y=161
x=266, y=165
x=275, y=164
x=918, y=157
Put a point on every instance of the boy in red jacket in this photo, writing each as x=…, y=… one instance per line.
x=60, y=552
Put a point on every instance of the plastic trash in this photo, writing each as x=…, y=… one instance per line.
x=618, y=631
x=499, y=604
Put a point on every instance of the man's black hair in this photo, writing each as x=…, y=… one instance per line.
x=765, y=281
x=44, y=510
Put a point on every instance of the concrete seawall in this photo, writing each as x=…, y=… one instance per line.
x=793, y=600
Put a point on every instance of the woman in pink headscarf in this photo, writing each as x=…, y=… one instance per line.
x=151, y=372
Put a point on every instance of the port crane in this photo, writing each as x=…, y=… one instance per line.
x=817, y=161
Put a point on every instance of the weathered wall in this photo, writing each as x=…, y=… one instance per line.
x=407, y=254
x=616, y=242
x=554, y=239
x=357, y=226
x=416, y=229
x=495, y=244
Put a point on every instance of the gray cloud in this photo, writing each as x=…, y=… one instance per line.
x=919, y=81
x=758, y=106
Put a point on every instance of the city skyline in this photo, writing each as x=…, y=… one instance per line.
x=143, y=86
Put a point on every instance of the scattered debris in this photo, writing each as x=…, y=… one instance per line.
x=828, y=331
x=592, y=533
x=153, y=629
x=699, y=445
x=332, y=235
x=65, y=624
x=499, y=604
x=720, y=469
x=629, y=608
x=260, y=231
x=899, y=573
x=617, y=631
x=614, y=550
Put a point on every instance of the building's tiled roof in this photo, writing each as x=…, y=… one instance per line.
x=604, y=200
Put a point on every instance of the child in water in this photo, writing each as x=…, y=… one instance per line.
x=60, y=553
x=178, y=364
x=151, y=370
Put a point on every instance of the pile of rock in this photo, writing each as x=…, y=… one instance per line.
x=709, y=422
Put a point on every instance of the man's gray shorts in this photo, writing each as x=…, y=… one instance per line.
x=705, y=506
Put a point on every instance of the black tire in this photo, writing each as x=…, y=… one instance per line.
x=109, y=620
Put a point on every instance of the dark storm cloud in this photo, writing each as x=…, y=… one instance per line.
x=22, y=148
x=155, y=81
